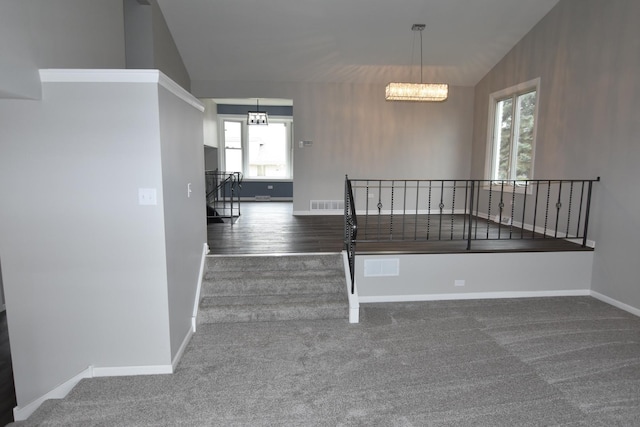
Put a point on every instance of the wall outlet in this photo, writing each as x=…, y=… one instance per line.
x=147, y=196
x=458, y=282
x=269, y=187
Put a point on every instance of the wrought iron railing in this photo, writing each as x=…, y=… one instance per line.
x=223, y=195
x=465, y=210
x=350, y=229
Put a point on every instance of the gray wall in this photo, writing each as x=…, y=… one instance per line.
x=433, y=276
x=356, y=132
x=149, y=44
x=38, y=34
x=83, y=264
x=184, y=212
x=210, y=158
x=586, y=54
x=92, y=277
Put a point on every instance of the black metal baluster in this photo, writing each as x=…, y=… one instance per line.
x=580, y=210
x=379, y=205
x=535, y=211
x=346, y=210
x=569, y=209
x=404, y=208
x=501, y=206
x=524, y=207
x=441, y=206
x=393, y=184
x=558, y=207
x=546, y=212
x=366, y=213
x=415, y=225
x=453, y=204
x=429, y=212
x=470, y=215
x=475, y=233
x=464, y=215
x=586, y=214
x=513, y=204
x=489, y=207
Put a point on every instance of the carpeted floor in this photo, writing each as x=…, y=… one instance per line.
x=527, y=362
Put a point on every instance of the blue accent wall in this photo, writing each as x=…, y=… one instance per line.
x=272, y=110
x=260, y=188
x=251, y=189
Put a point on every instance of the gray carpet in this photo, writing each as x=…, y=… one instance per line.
x=272, y=288
x=527, y=362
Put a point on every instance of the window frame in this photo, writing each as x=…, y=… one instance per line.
x=491, y=146
x=288, y=122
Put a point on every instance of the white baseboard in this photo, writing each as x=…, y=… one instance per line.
x=61, y=391
x=183, y=347
x=21, y=414
x=125, y=371
x=473, y=295
x=325, y=212
x=616, y=303
x=196, y=303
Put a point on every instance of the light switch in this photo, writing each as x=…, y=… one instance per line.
x=147, y=196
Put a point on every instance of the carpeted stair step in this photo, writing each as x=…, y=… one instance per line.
x=268, y=308
x=272, y=288
x=273, y=263
x=274, y=283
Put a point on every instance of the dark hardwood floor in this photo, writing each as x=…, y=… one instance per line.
x=7, y=391
x=271, y=227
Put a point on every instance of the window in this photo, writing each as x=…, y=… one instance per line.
x=268, y=151
x=259, y=152
x=512, y=132
x=232, y=146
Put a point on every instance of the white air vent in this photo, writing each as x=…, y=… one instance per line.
x=327, y=205
x=381, y=267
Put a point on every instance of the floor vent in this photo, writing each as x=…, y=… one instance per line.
x=262, y=198
x=327, y=205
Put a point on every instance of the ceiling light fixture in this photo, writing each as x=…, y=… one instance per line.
x=417, y=91
x=257, y=117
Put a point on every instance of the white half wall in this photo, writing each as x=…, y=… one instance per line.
x=88, y=268
x=472, y=275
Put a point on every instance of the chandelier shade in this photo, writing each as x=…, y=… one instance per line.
x=257, y=118
x=416, y=92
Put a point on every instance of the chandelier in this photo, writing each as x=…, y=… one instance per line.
x=417, y=91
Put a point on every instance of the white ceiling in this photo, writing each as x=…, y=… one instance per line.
x=364, y=41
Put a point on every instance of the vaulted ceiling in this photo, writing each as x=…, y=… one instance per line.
x=364, y=41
